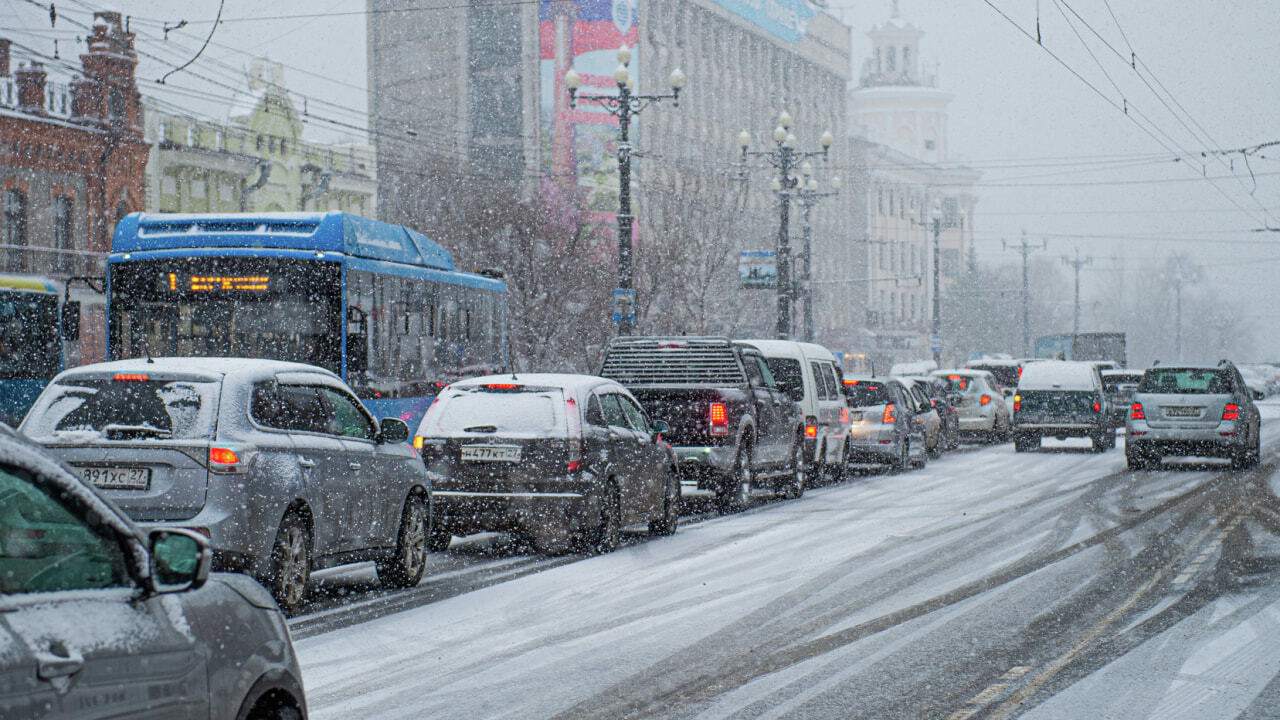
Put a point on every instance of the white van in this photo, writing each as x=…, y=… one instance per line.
x=808, y=373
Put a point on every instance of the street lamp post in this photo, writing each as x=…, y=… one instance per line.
x=626, y=104
x=784, y=158
x=808, y=196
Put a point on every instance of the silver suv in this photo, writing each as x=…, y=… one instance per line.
x=277, y=463
x=1192, y=410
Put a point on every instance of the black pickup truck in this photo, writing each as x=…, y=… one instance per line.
x=733, y=429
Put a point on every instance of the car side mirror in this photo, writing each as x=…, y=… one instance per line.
x=180, y=559
x=660, y=426
x=357, y=353
x=1259, y=395
x=1007, y=392
x=394, y=430
x=71, y=320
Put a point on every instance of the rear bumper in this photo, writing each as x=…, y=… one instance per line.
x=467, y=512
x=1222, y=440
x=874, y=444
x=975, y=420
x=1056, y=430
x=706, y=465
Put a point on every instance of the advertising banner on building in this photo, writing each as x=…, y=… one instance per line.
x=786, y=19
x=579, y=144
x=758, y=270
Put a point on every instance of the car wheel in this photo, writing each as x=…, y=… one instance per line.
x=799, y=474
x=1022, y=443
x=290, y=564
x=735, y=494
x=667, y=523
x=405, y=568
x=841, y=470
x=924, y=460
x=903, y=461
x=605, y=537
x=439, y=539
x=1240, y=457
x=1255, y=457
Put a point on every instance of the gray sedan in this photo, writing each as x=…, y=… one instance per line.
x=277, y=463
x=98, y=619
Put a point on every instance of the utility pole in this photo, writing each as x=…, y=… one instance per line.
x=808, y=196
x=1077, y=263
x=1026, y=249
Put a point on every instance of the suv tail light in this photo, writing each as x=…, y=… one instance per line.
x=890, y=414
x=719, y=417
x=1137, y=413
x=1097, y=406
x=1231, y=412
x=984, y=400
x=811, y=427
x=1017, y=403
x=227, y=461
x=575, y=435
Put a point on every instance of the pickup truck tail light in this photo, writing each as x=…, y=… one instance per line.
x=1097, y=406
x=1231, y=412
x=575, y=435
x=890, y=414
x=1017, y=403
x=1137, y=413
x=811, y=427
x=719, y=418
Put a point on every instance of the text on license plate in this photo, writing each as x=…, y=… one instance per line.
x=491, y=453
x=1182, y=412
x=117, y=478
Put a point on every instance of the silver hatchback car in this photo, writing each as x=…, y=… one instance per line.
x=1192, y=410
x=277, y=463
x=98, y=619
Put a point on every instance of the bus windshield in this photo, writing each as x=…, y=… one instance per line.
x=29, y=343
x=276, y=308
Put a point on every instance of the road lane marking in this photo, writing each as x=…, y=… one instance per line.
x=984, y=698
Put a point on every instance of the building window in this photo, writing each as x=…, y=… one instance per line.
x=891, y=204
x=15, y=218
x=62, y=231
x=879, y=68
x=928, y=144
x=892, y=59
x=906, y=59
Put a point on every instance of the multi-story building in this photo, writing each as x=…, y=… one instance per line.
x=898, y=119
x=258, y=161
x=72, y=158
x=457, y=113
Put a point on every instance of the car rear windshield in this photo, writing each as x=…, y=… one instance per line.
x=867, y=393
x=125, y=410
x=1186, y=381
x=963, y=384
x=786, y=373
x=522, y=409
x=1006, y=375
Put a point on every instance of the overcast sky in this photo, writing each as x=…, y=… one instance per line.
x=1058, y=159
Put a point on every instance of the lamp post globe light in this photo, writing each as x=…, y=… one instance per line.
x=625, y=105
x=784, y=158
x=808, y=196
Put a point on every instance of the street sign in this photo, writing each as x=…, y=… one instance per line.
x=935, y=343
x=758, y=270
x=624, y=305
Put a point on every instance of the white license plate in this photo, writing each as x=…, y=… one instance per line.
x=1182, y=412
x=855, y=417
x=491, y=453
x=117, y=478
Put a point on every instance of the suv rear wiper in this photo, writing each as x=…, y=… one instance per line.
x=136, y=432
x=481, y=429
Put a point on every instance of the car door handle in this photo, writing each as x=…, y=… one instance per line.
x=57, y=662
x=353, y=465
x=306, y=462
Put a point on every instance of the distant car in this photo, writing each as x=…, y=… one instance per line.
x=979, y=403
x=99, y=619
x=937, y=391
x=1006, y=371
x=277, y=463
x=565, y=461
x=1062, y=399
x=1119, y=386
x=883, y=430
x=1204, y=411
x=925, y=411
x=808, y=373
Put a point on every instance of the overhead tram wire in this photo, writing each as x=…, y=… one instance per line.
x=1099, y=93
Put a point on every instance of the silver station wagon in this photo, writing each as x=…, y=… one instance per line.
x=277, y=463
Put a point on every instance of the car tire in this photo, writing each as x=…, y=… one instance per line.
x=799, y=476
x=735, y=494
x=605, y=537
x=405, y=568
x=439, y=539
x=1098, y=442
x=1255, y=457
x=1024, y=443
x=903, y=461
x=666, y=523
x=1240, y=457
x=924, y=460
x=290, y=571
x=1109, y=437
x=842, y=470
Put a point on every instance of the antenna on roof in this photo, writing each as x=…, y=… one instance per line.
x=146, y=349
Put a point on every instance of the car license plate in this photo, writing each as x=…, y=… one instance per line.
x=491, y=453
x=855, y=417
x=1182, y=411
x=117, y=478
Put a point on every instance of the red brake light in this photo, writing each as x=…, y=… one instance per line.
x=1097, y=406
x=1019, y=371
x=889, y=415
x=850, y=381
x=1137, y=413
x=131, y=377
x=1017, y=403
x=719, y=419
x=844, y=414
x=933, y=402
x=223, y=456
x=984, y=400
x=575, y=434
x=811, y=431
x=502, y=386
x=1231, y=412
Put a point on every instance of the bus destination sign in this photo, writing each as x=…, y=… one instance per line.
x=217, y=283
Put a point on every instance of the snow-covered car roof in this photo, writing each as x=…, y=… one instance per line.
x=1058, y=375
x=213, y=367
x=562, y=380
x=790, y=349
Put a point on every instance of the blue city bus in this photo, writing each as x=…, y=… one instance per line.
x=31, y=351
x=381, y=305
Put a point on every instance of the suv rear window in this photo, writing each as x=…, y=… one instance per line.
x=125, y=409
x=1186, y=381
x=1006, y=375
x=964, y=384
x=524, y=409
x=867, y=393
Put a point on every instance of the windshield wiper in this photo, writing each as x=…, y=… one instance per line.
x=481, y=429
x=136, y=432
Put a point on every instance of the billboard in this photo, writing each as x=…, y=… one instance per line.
x=758, y=270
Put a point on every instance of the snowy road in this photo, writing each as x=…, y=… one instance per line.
x=989, y=585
